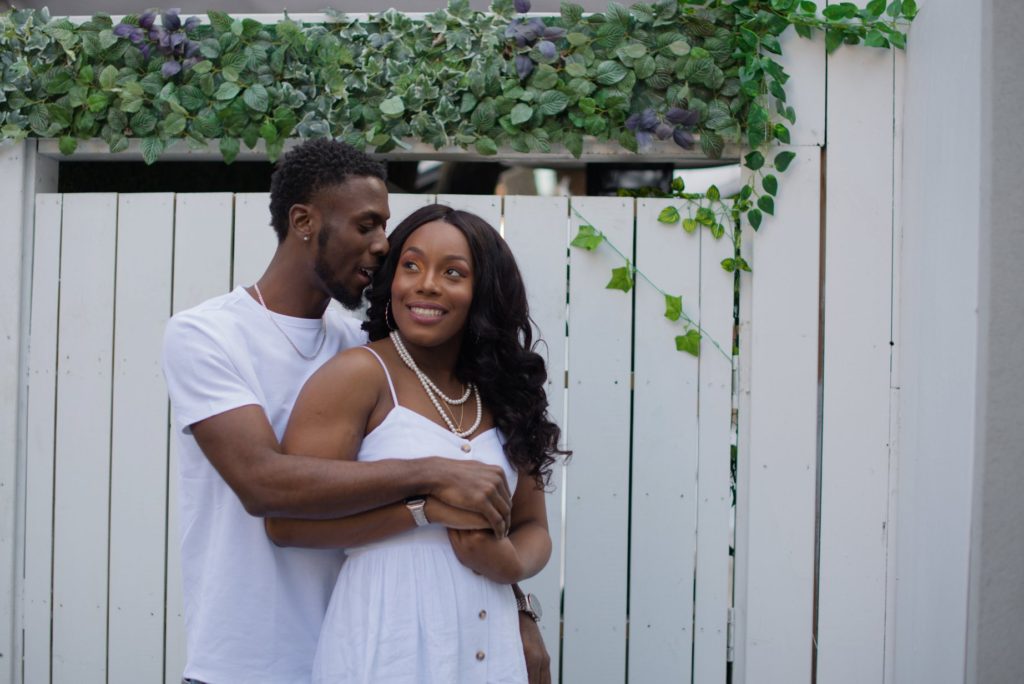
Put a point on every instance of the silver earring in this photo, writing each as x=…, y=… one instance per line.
x=305, y=238
x=387, y=315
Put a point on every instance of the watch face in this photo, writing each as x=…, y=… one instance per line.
x=534, y=605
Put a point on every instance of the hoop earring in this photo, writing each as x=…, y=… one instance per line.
x=387, y=315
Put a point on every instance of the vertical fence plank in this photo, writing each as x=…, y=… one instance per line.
x=402, y=205
x=714, y=500
x=487, y=207
x=855, y=437
x=255, y=239
x=665, y=432
x=42, y=397
x=82, y=479
x=535, y=228
x=202, y=269
x=778, y=440
x=138, y=479
x=597, y=495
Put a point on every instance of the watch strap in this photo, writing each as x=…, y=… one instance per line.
x=416, y=506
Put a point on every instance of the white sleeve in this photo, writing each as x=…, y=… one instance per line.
x=202, y=379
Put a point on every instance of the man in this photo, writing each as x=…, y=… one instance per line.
x=234, y=366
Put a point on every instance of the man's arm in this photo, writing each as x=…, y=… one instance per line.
x=314, y=482
x=242, y=446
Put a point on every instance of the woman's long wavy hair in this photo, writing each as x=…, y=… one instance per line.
x=497, y=346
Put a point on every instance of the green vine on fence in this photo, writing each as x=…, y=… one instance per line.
x=701, y=73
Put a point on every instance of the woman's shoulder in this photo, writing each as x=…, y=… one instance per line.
x=351, y=372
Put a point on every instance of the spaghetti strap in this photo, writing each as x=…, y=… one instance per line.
x=391, y=385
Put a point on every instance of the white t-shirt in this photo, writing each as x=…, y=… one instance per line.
x=252, y=610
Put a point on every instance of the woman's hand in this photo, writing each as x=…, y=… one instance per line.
x=483, y=553
x=451, y=517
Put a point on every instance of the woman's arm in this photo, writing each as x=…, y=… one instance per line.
x=523, y=553
x=368, y=527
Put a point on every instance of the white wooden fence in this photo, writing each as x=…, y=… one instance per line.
x=87, y=529
x=647, y=499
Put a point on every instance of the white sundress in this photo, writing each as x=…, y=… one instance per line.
x=405, y=610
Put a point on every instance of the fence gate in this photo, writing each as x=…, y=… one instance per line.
x=639, y=582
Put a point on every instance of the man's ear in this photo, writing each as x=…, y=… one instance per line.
x=302, y=220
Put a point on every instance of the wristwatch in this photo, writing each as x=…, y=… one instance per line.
x=416, y=506
x=528, y=603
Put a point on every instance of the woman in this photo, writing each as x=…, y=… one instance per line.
x=424, y=595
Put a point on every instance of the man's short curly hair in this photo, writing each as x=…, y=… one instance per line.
x=311, y=167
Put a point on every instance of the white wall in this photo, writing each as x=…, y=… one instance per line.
x=938, y=340
x=995, y=645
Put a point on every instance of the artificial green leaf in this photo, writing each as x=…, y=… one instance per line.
x=587, y=238
x=679, y=48
x=152, y=148
x=67, y=145
x=717, y=230
x=755, y=160
x=742, y=264
x=257, y=98
x=754, y=217
x=689, y=225
x=713, y=193
x=833, y=39
x=552, y=102
x=173, y=124
x=610, y=72
x=486, y=146
x=621, y=279
x=705, y=216
x=392, y=107
x=521, y=113
x=689, y=343
x=781, y=133
x=875, y=8
x=783, y=160
x=226, y=91
x=669, y=215
x=770, y=184
x=729, y=264
x=108, y=77
x=229, y=148
x=766, y=204
x=673, y=307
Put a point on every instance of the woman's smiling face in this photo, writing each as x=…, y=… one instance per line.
x=432, y=291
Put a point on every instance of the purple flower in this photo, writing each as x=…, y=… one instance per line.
x=633, y=122
x=524, y=66
x=144, y=49
x=682, y=117
x=171, y=20
x=643, y=139
x=123, y=30
x=663, y=131
x=547, y=49
x=683, y=138
x=553, y=32
x=522, y=6
x=191, y=23
x=170, y=68
x=146, y=19
x=648, y=120
x=191, y=48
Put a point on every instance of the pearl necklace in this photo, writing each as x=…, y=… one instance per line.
x=424, y=378
x=430, y=388
x=323, y=328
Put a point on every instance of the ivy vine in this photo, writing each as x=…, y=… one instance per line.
x=702, y=73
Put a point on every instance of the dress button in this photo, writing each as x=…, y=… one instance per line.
x=483, y=614
x=466, y=447
x=480, y=655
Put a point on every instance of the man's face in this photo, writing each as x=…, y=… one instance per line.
x=350, y=240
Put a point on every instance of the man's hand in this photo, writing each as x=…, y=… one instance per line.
x=538, y=662
x=475, y=487
x=439, y=512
